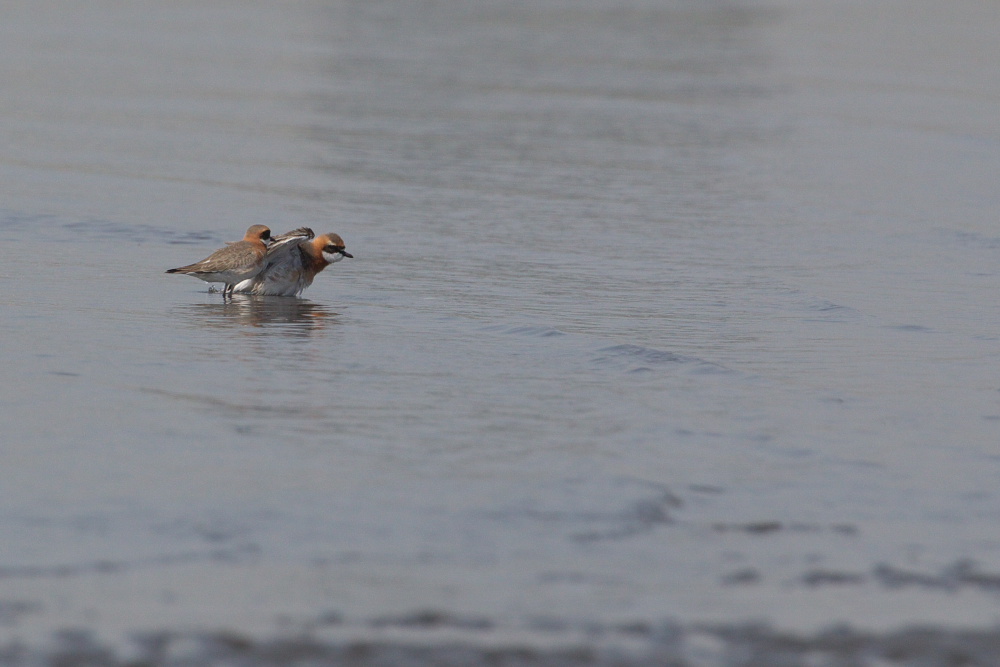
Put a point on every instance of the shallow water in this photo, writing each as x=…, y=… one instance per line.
x=663, y=319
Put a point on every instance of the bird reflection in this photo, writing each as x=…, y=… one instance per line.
x=289, y=316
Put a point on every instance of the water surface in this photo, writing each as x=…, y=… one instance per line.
x=664, y=318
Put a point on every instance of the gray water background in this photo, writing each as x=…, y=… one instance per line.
x=660, y=312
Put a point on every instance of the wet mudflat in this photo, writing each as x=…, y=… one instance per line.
x=670, y=334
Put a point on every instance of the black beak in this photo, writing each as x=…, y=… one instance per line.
x=346, y=254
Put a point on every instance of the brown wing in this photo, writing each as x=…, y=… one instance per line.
x=239, y=255
x=300, y=234
x=284, y=250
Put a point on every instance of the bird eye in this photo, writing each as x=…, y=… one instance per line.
x=266, y=235
x=330, y=249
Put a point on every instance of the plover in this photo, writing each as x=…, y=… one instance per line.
x=236, y=262
x=292, y=261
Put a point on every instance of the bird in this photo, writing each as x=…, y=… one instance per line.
x=236, y=262
x=292, y=261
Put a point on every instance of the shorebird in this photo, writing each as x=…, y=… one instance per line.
x=236, y=262
x=292, y=261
